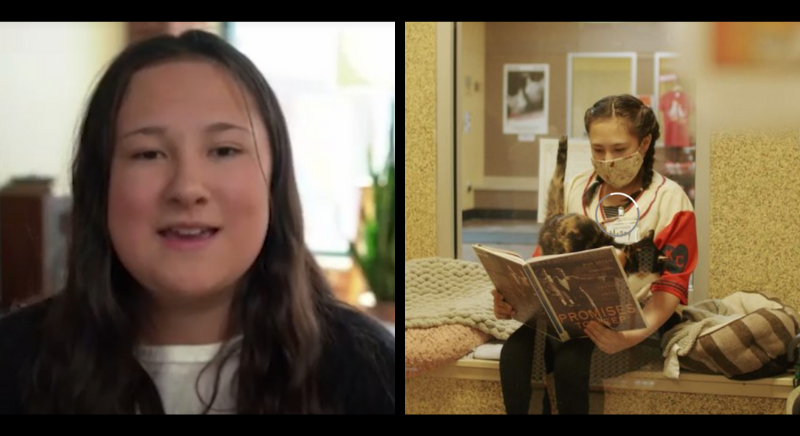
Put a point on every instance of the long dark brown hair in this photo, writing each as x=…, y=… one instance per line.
x=641, y=122
x=86, y=362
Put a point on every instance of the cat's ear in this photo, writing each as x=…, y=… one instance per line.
x=650, y=234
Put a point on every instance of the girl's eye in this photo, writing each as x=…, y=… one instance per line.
x=146, y=155
x=225, y=151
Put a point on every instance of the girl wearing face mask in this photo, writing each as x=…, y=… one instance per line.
x=622, y=132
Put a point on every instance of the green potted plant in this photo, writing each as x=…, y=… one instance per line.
x=374, y=251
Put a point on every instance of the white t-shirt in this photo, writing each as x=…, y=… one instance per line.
x=175, y=370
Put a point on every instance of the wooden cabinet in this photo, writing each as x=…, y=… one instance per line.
x=32, y=240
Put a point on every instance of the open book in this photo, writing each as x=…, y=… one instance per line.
x=569, y=289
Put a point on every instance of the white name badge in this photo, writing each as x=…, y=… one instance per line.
x=619, y=228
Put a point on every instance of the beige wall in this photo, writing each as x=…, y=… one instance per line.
x=420, y=140
x=48, y=70
x=755, y=227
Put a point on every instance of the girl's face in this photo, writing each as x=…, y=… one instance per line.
x=188, y=196
x=610, y=139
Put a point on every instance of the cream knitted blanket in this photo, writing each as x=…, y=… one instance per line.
x=442, y=291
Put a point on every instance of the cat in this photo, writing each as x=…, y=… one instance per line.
x=563, y=233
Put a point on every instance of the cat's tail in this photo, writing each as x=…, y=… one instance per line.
x=555, y=195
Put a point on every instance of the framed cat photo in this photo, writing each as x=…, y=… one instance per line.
x=526, y=95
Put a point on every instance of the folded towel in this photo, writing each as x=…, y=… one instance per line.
x=489, y=351
x=428, y=349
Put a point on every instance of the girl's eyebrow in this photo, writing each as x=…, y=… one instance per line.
x=162, y=130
